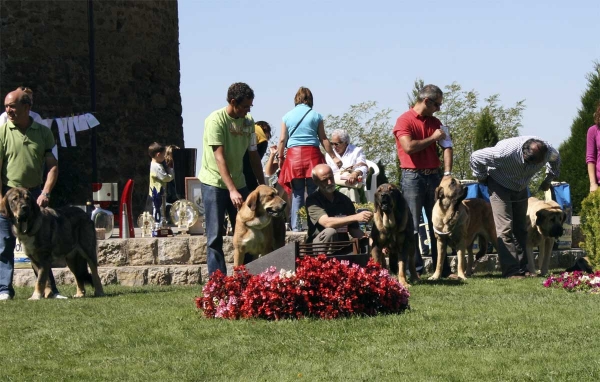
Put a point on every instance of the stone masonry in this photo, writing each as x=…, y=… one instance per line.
x=182, y=261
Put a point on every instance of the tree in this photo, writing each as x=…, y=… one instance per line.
x=370, y=129
x=486, y=134
x=572, y=151
x=460, y=111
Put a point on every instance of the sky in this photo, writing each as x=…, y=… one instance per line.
x=348, y=52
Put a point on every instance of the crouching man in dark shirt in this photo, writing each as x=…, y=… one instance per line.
x=331, y=214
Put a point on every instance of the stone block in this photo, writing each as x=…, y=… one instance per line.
x=112, y=252
x=186, y=275
x=142, y=251
x=132, y=276
x=197, y=248
x=173, y=251
x=108, y=275
x=159, y=276
x=24, y=277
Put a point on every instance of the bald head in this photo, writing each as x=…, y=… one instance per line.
x=322, y=175
x=17, y=105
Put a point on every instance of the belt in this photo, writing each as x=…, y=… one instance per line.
x=424, y=171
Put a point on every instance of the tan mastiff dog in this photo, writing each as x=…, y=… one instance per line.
x=259, y=225
x=544, y=225
x=457, y=222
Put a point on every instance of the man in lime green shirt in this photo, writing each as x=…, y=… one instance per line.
x=228, y=133
x=25, y=146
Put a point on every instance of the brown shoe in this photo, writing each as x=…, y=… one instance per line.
x=452, y=276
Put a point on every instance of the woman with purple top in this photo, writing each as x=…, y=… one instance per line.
x=592, y=152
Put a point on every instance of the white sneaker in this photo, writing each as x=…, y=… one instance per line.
x=5, y=297
x=59, y=296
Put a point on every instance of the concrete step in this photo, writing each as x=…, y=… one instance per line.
x=186, y=274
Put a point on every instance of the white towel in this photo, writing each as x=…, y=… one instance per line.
x=91, y=120
x=72, y=132
x=81, y=123
x=62, y=130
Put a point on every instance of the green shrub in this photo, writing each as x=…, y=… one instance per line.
x=590, y=226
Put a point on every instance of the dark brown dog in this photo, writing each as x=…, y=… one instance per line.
x=259, y=225
x=457, y=222
x=544, y=225
x=393, y=232
x=46, y=233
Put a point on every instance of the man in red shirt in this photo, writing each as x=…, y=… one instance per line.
x=417, y=131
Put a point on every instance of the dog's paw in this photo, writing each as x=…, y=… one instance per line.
x=79, y=295
x=36, y=296
x=434, y=277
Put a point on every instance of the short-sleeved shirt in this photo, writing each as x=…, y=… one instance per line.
x=234, y=135
x=318, y=205
x=418, y=128
x=593, y=148
x=23, y=155
x=307, y=132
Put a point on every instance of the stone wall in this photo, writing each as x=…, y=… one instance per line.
x=44, y=45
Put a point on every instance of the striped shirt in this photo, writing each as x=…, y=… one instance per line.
x=505, y=164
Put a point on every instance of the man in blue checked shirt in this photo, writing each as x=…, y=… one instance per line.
x=507, y=169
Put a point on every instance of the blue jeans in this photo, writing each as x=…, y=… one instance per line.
x=298, y=187
x=7, y=253
x=419, y=191
x=216, y=203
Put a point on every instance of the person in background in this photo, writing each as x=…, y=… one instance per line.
x=172, y=194
x=418, y=133
x=272, y=171
x=331, y=214
x=592, y=152
x=263, y=133
x=302, y=131
x=22, y=166
x=354, y=165
x=228, y=133
x=160, y=175
x=507, y=169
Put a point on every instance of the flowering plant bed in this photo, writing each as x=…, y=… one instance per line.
x=575, y=281
x=320, y=288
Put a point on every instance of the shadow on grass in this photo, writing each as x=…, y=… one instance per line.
x=447, y=282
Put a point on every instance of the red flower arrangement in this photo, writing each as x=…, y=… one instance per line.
x=319, y=288
x=575, y=281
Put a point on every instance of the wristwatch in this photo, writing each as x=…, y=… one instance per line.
x=46, y=194
x=446, y=173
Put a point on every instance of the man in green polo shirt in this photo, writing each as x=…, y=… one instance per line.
x=25, y=146
x=228, y=133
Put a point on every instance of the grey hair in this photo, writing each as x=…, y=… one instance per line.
x=429, y=91
x=342, y=134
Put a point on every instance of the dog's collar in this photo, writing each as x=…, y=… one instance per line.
x=441, y=233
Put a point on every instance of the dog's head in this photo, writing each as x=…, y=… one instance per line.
x=263, y=201
x=450, y=192
x=19, y=207
x=388, y=199
x=550, y=220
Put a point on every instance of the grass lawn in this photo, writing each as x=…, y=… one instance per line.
x=484, y=329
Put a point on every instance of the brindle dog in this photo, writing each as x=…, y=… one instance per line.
x=393, y=232
x=46, y=234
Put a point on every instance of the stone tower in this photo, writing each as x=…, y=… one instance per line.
x=46, y=46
